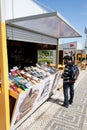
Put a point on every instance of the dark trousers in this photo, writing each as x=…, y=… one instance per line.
x=66, y=87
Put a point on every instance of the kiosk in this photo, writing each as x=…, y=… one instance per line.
x=71, y=48
x=31, y=29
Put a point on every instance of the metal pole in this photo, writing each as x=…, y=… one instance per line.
x=4, y=95
x=57, y=53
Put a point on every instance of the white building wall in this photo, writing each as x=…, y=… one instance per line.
x=22, y=8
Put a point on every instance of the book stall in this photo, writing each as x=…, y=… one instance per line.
x=25, y=85
x=30, y=87
x=30, y=83
x=81, y=58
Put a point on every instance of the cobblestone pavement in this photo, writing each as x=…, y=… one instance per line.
x=52, y=116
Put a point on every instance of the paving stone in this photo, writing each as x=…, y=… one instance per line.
x=52, y=116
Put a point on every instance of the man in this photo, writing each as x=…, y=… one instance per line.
x=68, y=82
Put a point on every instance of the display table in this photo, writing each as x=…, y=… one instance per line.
x=28, y=101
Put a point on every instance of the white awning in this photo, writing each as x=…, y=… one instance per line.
x=50, y=24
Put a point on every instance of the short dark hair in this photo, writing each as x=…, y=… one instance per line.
x=67, y=57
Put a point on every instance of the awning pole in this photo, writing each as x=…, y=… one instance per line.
x=57, y=53
x=4, y=94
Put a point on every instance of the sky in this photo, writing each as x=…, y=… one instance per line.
x=74, y=11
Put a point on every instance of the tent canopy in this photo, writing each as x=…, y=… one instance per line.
x=50, y=24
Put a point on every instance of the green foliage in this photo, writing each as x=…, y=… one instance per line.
x=45, y=56
x=45, y=52
x=44, y=60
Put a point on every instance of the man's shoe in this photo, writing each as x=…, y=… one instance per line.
x=70, y=103
x=64, y=105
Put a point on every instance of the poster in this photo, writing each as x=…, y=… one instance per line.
x=30, y=100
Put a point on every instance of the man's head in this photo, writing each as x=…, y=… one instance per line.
x=67, y=59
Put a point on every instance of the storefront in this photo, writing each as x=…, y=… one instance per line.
x=81, y=55
x=72, y=48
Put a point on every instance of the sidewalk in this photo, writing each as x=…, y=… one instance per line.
x=52, y=116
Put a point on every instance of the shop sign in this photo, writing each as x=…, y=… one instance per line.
x=68, y=46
